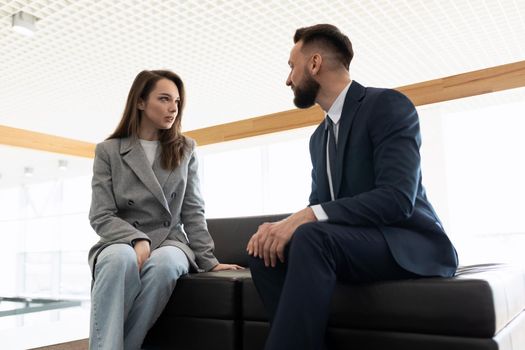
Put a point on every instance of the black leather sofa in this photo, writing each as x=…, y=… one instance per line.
x=482, y=308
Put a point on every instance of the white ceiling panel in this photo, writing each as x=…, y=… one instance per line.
x=71, y=78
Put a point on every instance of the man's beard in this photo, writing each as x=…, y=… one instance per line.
x=305, y=95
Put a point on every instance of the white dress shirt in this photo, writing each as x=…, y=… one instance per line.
x=334, y=113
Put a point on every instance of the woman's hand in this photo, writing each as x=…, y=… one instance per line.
x=223, y=267
x=142, y=250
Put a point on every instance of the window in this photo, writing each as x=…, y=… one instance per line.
x=471, y=162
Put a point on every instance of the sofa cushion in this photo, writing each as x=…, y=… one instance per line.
x=512, y=337
x=479, y=302
x=208, y=295
x=231, y=235
x=188, y=333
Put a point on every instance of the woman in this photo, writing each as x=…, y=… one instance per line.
x=148, y=210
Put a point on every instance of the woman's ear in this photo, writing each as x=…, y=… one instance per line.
x=141, y=105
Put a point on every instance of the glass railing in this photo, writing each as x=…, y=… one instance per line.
x=16, y=306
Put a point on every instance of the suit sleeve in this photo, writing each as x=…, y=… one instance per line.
x=193, y=218
x=103, y=212
x=393, y=128
x=313, y=195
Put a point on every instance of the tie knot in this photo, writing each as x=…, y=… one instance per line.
x=329, y=122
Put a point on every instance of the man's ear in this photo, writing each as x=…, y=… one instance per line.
x=141, y=105
x=315, y=63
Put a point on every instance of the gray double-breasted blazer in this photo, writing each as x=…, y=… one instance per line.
x=133, y=200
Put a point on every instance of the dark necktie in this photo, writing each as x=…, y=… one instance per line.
x=332, y=148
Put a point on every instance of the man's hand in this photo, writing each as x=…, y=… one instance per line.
x=270, y=239
x=222, y=267
x=142, y=250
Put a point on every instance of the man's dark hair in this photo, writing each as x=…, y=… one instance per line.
x=329, y=37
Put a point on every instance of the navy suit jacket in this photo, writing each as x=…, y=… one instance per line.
x=377, y=182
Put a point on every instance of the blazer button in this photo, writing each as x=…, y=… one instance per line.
x=173, y=195
x=166, y=223
x=136, y=224
x=130, y=202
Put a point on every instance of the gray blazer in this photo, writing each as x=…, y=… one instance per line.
x=132, y=200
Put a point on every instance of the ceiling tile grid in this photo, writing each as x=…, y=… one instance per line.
x=72, y=77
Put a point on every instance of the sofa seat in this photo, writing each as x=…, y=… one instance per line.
x=476, y=305
x=202, y=313
x=479, y=309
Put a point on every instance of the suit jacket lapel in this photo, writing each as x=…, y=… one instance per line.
x=134, y=156
x=353, y=98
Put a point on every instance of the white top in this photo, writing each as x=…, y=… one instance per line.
x=334, y=113
x=150, y=148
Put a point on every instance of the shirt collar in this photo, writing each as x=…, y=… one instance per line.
x=335, y=111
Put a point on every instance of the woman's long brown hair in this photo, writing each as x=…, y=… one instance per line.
x=172, y=142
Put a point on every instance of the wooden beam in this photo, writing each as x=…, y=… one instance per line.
x=44, y=142
x=504, y=77
x=267, y=124
x=507, y=76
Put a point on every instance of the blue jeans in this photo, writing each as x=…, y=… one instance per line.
x=125, y=303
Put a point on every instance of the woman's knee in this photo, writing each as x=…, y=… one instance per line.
x=117, y=259
x=117, y=256
x=168, y=263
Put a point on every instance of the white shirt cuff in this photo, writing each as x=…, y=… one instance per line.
x=319, y=212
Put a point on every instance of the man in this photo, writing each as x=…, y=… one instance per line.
x=368, y=219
